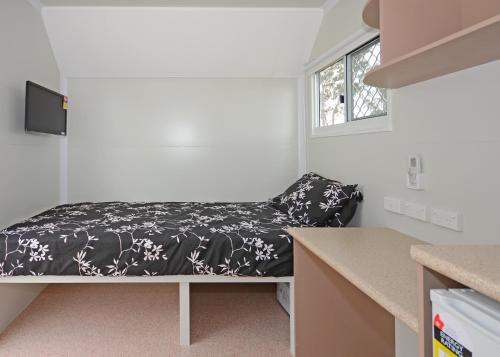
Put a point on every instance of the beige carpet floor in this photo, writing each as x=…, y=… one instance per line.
x=143, y=320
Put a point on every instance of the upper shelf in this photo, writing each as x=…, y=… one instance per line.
x=475, y=45
x=371, y=14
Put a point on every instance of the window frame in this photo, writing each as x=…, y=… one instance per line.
x=376, y=123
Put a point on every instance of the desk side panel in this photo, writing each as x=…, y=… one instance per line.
x=333, y=317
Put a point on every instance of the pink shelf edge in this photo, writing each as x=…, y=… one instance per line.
x=385, y=68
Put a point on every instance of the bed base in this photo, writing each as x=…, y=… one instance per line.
x=184, y=291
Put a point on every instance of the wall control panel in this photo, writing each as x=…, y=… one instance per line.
x=414, y=175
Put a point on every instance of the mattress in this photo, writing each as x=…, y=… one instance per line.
x=150, y=239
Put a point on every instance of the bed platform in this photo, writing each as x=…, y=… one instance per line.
x=184, y=282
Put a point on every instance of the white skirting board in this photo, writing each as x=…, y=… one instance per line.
x=184, y=291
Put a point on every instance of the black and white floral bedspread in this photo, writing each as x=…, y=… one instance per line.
x=142, y=239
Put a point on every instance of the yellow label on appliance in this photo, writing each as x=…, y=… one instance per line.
x=441, y=350
x=446, y=346
x=65, y=103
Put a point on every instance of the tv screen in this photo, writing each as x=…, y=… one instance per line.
x=45, y=110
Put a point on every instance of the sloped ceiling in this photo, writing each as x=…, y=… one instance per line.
x=181, y=42
x=183, y=3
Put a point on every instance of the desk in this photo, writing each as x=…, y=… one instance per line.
x=350, y=284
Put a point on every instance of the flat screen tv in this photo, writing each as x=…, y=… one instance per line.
x=45, y=110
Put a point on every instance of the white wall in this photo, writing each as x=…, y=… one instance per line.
x=29, y=174
x=181, y=139
x=452, y=122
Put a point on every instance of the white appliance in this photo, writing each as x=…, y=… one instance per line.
x=283, y=295
x=465, y=324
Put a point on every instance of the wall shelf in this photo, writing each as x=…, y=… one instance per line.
x=470, y=47
x=371, y=14
x=424, y=39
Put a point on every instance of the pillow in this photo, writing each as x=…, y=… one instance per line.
x=313, y=200
x=276, y=201
x=346, y=214
x=315, y=176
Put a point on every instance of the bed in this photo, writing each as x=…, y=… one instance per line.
x=173, y=242
x=169, y=242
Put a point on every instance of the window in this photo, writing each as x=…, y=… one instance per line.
x=331, y=82
x=341, y=97
x=366, y=101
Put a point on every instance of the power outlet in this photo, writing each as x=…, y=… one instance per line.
x=415, y=210
x=447, y=219
x=394, y=205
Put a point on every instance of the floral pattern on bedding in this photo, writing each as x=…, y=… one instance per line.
x=147, y=239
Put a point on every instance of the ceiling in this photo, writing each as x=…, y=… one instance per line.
x=191, y=3
x=181, y=42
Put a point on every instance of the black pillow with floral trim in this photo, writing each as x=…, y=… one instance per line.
x=276, y=201
x=346, y=214
x=314, y=200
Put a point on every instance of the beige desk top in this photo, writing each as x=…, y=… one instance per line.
x=376, y=260
x=477, y=267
